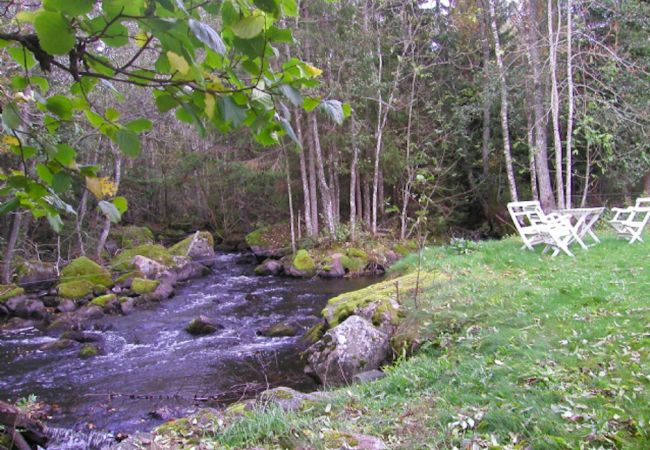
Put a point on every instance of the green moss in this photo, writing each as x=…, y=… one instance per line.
x=8, y=291
x=103, y=300
x=402, y=250
x=175, y=427
x=86, y=269
x=340, y=308
x=255, y=238
x=131, y=236
x=75, y=289
x=337, y=439
x=143, y=286
x=354, y=252
x=353, y=265
x=315, y=333
x=386, y=311
x=181, y=248
x=132, y=274
x=124, y=260
x=303, y=261
x=124, y=299
x=88, y=351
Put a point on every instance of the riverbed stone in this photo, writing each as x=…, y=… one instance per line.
x=203, y=325
x=76, y=289
x=66, y=305
x=270, y=242
x=28, y=308
x=164, y=290
x=124, y=261
x=16, y=324
x=148, y=267
x=59, y=344
x=88, y=351
x=198, y=247
x=281, y=329
x=89, y=312
x=269, y=267
x=130, y=236
x=9, y=291
x=142, y=286
x=368, y=376
x=352, y=347
x=127, y=305
x=189, y=270
x=37, y=275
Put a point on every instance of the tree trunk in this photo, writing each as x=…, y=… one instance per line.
x=410, y=171
x=512, y=184
x=359, y=201
x=366, y=201
x=326, y=196
x=353, y=182
x=11, y=247
x=487, y=97
x=290, y=195
x=305, y=180
x=530, y=138
x=545, y=189
x=79, y=222
x=555, y=103
x=313, y=193
x=569, y=125
x=106, y=228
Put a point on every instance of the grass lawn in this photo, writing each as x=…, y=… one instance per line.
x=520, y=350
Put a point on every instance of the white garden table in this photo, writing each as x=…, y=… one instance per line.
x=583, y=219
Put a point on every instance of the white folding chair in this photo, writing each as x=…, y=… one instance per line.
x=630, y=222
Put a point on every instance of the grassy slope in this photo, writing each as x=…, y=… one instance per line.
x=522, y=350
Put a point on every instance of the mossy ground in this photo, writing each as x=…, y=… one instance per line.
x=520, y=350
x=123, y=262
x=8, y=291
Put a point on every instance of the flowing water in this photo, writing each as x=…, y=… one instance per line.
x=151, y=363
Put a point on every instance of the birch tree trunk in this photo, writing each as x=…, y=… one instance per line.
x=313, y=194
x=487, y=98
x=410, y=171
x=326, y=196
x=304, y=179
x=553, y=38
x=569, y=125
x=290, y=195
x=11, y=247
x=353, y=181
x=504, y=104
x=106, y=228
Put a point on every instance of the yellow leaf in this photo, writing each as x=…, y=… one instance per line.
x=10, y=140
x=93, y=185
x=141, y=38
x=101, y=187
x=313, y=71
x=178, y=63
x=209, y=105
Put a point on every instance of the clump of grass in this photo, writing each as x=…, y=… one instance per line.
x=520, y=350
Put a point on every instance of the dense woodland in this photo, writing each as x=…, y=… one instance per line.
x=455, y=108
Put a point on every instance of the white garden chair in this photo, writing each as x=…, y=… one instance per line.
x=630, y=222
x=536, y=227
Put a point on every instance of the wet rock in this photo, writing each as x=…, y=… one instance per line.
x=352, y=347
x=256, y=298
x=279, y=330
x=66, y=305
x=163, y=291
x=83, y=337
x=4, y=311
x=127, y=305
x=138, y=441
x=26, y=307
x=332, y=267
x=143, y=286
x=370, y=375
x=16, y=324
x=59, y=344
x=166, y=413
x=203, y=325
x=198, y=247
x=289, y=399
x=300, y=266
x=148, y=267
x=89, y=351
x=37, y=275
x=190, y=270
x=89, y=312
x=64, y=322
x=269, y=267
x=51, y=301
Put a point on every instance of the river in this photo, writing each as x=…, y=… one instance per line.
x=151, y=362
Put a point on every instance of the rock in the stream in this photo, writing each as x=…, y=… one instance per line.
x=203, y=325
x=66, y=305
x=198, y=247
x=269, y=267
x=59, y=344
x=16, y=324
x=89, y=312
x=333, y=267
x=190, y=270
x=26, y=307
x=352, y=347
x=279, y=330
x=301, y=265
x=127, y=305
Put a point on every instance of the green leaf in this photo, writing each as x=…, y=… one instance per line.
x=60, y=105
x=208, y=36
x=44, y=173
x=11, y=116
x=311, y=103
x=121, y=204
x=269, y=6
x=290, y=7
x=166, y=102
x=61, y=182
x=249, y=27
x=10, y=205
x=139, y=125
x=26, y=151
x=65, y=154
x=55, y=222
x=128, y=141
x=70, y=7
x=110, y=211
x=275, y=34
x=55, y=34
x=288, y=130
x=112, y=114
x=126, y=7
x=23, y=57
x=334, y=110
x=231, y=111
x=229, y=13
x=95, y=119
x=291, y=93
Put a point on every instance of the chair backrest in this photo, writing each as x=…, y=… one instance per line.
x=642, y=202
x=526, y=213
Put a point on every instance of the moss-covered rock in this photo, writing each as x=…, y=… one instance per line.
x=280, y=330
x=103, y=300
x=377, y=302
x=304, y=262
x=352, y=264
x=272, y=241
x=123, y=262
x=84, y=268
x=314, y=334
x=181, y=248
x=354, y=252
x=142, y=286
x=88, y=351
x=75, y=290
x=8, y=291
x=131, y=236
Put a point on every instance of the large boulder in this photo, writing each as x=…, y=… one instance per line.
x=332, y=267
x=189, y=270
x=84, y=268
x=270, y=241
x=350, y=348
x=9, y=291
x=26, y=307
x=123, y=261
x=36, y=276
x=198, y=247
x=302, y=265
